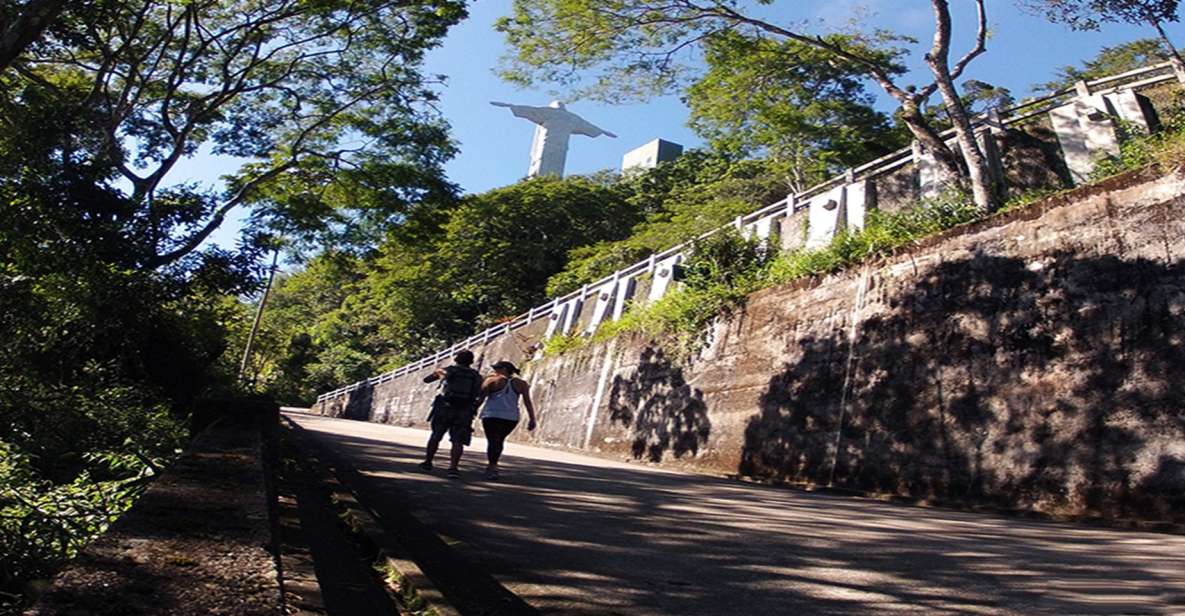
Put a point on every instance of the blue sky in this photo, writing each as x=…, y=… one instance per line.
x=494, y=145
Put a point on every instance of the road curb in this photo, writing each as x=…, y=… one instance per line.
x=405, y=577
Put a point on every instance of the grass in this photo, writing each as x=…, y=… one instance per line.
x=562, y=343
x=1139, y=149
x=726, y=268
x=409, y=599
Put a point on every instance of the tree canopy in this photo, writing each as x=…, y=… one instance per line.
x=325, y=100
x=637, y=48
x=804, y=110
x=1091, y=14
x=119, y=318
x=1109, y=61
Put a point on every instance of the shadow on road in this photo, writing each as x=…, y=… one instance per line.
x=595, y=537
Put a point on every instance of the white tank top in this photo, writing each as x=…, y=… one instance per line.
x=502, y=404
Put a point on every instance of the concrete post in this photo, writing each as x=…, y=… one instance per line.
x=1088, y=127
x=1132, y=108
x=664, y=273
x=930, y=175
x=996, y=123
x=606, y=295
x=858, y=200
x=624, y=292
x=769, y=229
x=571, y=315
x=824, y=218
x=558, y=312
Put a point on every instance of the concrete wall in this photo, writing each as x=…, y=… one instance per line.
x=1029, y=361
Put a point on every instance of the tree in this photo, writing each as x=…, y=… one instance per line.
x=680, y=199
x=498, y=249
x=805, y=111
x=439, y=277
x=117, y=322
x=326, y=98
x=1091, y=14
x=633, y=48
x=21, y=25
x=1109, y=61
x=981, y=96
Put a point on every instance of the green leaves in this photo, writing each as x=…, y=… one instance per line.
x=310, y=92
x=631, y=48
x=1089, y=14
x=1109, y=61
x=441, y=275
x=681, y=199
x=805, y=110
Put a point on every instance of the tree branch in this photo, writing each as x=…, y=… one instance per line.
x=27, y=28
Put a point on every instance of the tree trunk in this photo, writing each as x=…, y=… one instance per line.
x=26, y=28
x=921, y=129
x=1174, y=55
x=271, y=277
x=983, y=188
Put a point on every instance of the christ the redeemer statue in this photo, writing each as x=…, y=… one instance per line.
x=554, y=126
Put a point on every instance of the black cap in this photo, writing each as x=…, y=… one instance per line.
x=505, y=365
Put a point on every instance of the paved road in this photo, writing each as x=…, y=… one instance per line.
x=579, y=535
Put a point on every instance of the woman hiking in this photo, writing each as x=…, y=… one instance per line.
x=501, y=392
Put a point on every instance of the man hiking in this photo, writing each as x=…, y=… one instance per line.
x=453, y=409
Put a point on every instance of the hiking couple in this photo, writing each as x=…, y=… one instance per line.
x=462, y=392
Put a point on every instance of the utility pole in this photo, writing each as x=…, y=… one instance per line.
x=271, y=276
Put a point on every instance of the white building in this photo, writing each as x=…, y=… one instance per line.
x=649, y=155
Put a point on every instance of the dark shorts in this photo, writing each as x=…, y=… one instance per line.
x=458, y=424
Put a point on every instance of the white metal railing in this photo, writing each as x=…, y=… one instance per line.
x=1135, y=79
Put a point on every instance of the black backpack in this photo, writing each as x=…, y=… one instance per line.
x=461, y=387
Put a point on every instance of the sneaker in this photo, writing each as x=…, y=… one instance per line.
x=426, y=466
x=454, y=473
x=492, y=474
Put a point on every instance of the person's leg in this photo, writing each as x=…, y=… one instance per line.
x=459, y=434
x=496, y=432
x=438, y=430
x=455, y=455
x=494, y=440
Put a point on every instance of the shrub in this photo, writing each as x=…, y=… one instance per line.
x=562, y=343
x=882, y=234
x=1139, y=149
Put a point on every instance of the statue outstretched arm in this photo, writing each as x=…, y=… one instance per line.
x=586, y=128
x=538, y=115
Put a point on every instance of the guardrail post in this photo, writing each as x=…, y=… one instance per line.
x=996, y=123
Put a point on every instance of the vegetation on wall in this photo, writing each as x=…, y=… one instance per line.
x=725, y=269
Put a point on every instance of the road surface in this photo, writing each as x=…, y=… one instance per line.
x=572, y=534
